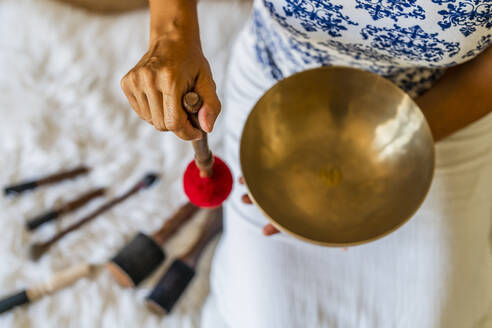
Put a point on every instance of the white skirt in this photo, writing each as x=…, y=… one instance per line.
x=435, y=271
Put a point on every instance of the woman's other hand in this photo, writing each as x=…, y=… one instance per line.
x=269, y=229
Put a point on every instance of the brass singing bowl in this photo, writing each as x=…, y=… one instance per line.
x=337, y=156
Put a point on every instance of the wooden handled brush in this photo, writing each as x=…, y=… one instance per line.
x=66, y=208
x=179, y=275
x=59, y=281
x=38, y=249
x=141, y=256
x=33, y=184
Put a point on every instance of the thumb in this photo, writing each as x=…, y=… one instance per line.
x=205, y=87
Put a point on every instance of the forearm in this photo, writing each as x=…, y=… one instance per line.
x=173, y=64
x=462, y=96
x=174, y=18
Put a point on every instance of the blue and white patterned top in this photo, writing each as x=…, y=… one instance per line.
x=410, y=42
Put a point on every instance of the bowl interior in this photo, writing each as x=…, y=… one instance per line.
x=337, y=156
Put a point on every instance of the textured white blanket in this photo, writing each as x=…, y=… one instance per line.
x=60, y=105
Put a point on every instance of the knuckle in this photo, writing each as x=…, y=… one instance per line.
x=185, y=136
x=212, y=84
x=135, y=108
x=160, y=126
x=173, y=125
x=215, y=106
x=124, y=84
x=146, y=72
x=146, y=115
x=169, y=74
x=127, y=82
x=218, y=106
x=132, y=78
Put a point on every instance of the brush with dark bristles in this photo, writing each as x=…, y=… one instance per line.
x=33, y=184
x=179, y=275
x=66, y=208
x=38, y=249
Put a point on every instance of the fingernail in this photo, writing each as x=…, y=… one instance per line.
x=245, y=198
x=269, y=230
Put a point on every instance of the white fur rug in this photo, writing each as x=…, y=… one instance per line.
x=61, y=105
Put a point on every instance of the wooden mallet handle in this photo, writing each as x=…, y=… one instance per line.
x=211, y=227
x=203, y=156
x=179, y=275
x=171, y=225
x=143, y=254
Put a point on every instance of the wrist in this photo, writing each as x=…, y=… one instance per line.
x=179, y=20
x=177, y=35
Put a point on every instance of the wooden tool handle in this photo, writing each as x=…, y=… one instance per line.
x=171, y=225
x=61, y=280
x=203, y=156
x=48, y=216
x=38, y=249
x=64, y=175
x=211, y=227
x=91, y=216
x=192, y=102
x=29, y=185
x=82, y=200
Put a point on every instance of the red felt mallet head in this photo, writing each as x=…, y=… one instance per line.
x=207, y=180
x=208, y=191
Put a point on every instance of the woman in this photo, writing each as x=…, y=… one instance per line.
x=436, y=270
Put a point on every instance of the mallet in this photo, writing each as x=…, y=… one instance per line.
x=38, y=249
x=141, y=256
x=207, y=180
x=60, y=280
x=68, y=207
x=174, y=282
x=33, y=184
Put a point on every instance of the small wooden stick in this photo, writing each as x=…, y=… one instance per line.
x=211, y=227
x=203, y=156
x=38, y=249
x=71, y=206
x=29, y=185
x=171, y=225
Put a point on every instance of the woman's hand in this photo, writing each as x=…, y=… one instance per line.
x=173, y=65
x=269, y=229
x=155, y=86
